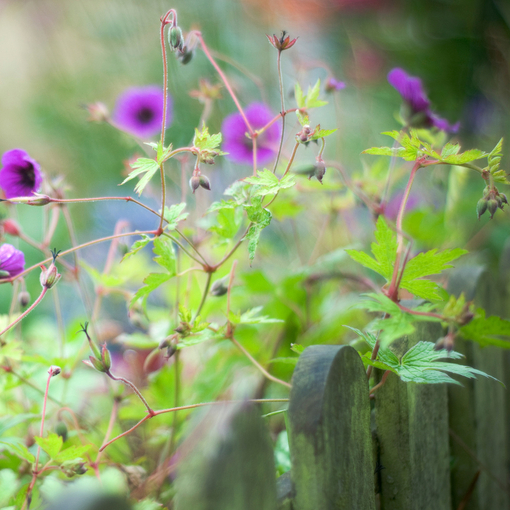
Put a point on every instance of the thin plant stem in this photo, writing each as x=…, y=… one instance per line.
x=192, y=246
x=258, y=365
x=166, y=234
x=283, y=113
x=230, y=284
x=254, y=154
x=191, y=406
x=232, y=251
x=26, y=312
x=204, y=296
x=60, y=323
x=383, y=380
x=393, y=288
x=274, y=119
x=224, y=79
x=134, y=388
x=55, y=214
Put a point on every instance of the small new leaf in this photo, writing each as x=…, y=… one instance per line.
x=260, y=219
x=174, y=214
x=268, y=184
x=142, y=166
x=322, y=133
x=162, y=153
x=311, y=99
x=251, y=317
x=137, y=246
x=205, y=141
x=51, y=444
x=487, y=330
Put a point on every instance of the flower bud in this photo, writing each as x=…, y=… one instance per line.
x=304, y=134
x=98, y=365
x=73, y=467
x=98, y=112
x=61, y=430
x=320, y=170
x=33, y=200
x=481, y=207
x=492, y=206
x=185, y=56
x=54, y=370
x=107, y=359
x=11, y=227
x=204, y=182
x=194, y=183
x=175, y=38
x=49, y=277
x=503, y=198
x=24, y=298
x=219, y=287
x=170, y=351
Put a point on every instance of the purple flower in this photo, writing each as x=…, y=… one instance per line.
x=21, y=175
x=239, y=146
x=139, y=111
x=12, y=261
x=419, y=113
x=394, y=203
x=332, y=85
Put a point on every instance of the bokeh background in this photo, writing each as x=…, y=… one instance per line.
x=56, y=56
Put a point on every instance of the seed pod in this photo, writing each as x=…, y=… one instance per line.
x=185, y=56
x=320, y=170
x=61, y=430
x=24, y=299
x=219, y=287
x=481, y=207
x=503, y=198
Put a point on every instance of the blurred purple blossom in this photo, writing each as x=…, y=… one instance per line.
x=239, y=146
x=393, y=205
x=139, y=111
x=12, y=261
x=332, y=85
x=419, y=115
x=21, y=175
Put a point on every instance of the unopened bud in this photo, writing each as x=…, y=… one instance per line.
x=98, y=112
x=304, y=134
x=481, y=207
x=11, y=227
x=320, y=170
x=106, y=357
x=185, y=56
x=204, y=182
x=73, y=467
x=175, y=39
x=219, y=287
x=24, y=298
x=98, y=365
x=33, y=200
x=492, y=206
x=503, y=198
x=171, y=350
x=54, y=370
x=194, y=183
x=49, y=277
x=61, y=430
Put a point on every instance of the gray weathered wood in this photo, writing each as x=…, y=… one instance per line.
x=284, y=491
x=329, y=431
x=227, y=463
x=412, y=432
x=477, y=417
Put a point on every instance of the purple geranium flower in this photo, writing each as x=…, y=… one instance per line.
x=139, y=111
x=332, y=85
x=12, y=261
x=419, y=114
x=21, y=175
x=239, y=146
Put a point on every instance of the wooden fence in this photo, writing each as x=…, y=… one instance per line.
x=414, y=447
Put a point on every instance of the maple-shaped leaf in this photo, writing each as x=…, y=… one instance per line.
x=142, y=166
x=267, y=183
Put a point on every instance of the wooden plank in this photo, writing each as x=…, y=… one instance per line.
x=412, y=432
x=477, y=417
x=227, y=463
x=329, y=431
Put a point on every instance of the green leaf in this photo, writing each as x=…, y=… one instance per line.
x=229, y=220
x=152, y=281
x=11, y=350
x=398, y=152
x=420, y=363
x=311, y=100
x=464, y=157
x=268, y=184
x=18, y=448
x=71, y=453
x=162, y=153
x=222, y=204
x=322, y=133
x=251, y=317
x=7, y=422
x=494, y=160
x=185, y=314
x=164, y=250
x=142, y=166
x=137, y=246
x=298, y=94
x=450, y=149
x=297, y=348
x=487, y=330
x=260, y=219
x=174, y=214
x=103, y=279
x=205, y=141
x=198, y=338
x=51, y=444
x=384, y=250
x=426, y=264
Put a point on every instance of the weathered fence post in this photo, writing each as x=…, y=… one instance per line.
x=329, y=431
x=227, y=463
x=412, y=433
x=477, y=411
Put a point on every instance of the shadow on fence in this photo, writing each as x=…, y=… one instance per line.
x=435, y=447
